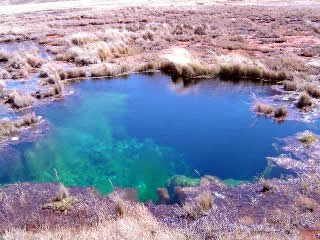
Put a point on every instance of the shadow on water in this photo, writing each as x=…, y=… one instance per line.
x=141, y=131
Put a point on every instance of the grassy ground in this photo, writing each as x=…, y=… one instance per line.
x=236, y=41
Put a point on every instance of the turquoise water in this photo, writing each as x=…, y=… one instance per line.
x=141, y=130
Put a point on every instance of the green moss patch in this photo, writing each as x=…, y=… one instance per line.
x=65, y=204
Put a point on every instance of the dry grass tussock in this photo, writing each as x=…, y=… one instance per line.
x=307, y=138
x=280, y=112
x=57, y=89
x=88, y=48
x=17, y=100
x=53, y=74
x=188, y=70
x=50, y=71
x=180, y=63
x=312, y=89
x=252, y=72
x=4, y=74
x=147, y=66
x=62, y=201
x=4, y=56
x=20, y=64
x=304, y=101
x=26, y=120
x=23, y=59
x=108, y=70
x=82, y=38
x=134, y=222
x=9, y=128
x=2, y=87
x=291, y=85
x=202, y=204
x=247, y=233
x=264, y=109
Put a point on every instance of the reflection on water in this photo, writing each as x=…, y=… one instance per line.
x=140, y=131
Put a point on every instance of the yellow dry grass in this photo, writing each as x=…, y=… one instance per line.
x=135, y=223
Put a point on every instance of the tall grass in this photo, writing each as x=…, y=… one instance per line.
x=304, y=101
x=18, y=100
x=264, y=109
x=9, y=128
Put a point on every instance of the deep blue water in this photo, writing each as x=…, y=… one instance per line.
x=141, y=130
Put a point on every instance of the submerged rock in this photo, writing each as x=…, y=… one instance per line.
x=128, y=194
x=163, y=196
x=183, y=181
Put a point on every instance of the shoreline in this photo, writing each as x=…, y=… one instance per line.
x=258, y=47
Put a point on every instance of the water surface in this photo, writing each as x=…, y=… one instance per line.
x=141, y=130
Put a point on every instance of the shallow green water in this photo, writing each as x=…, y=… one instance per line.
x=140, y=131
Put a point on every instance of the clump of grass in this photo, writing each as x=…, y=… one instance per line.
x=250, y=71
x=33, y=61
x=121, y=69
x=190, y=70
x=4, y=56
x=306, y=204
x=313, y=90
x=120, y=208
x=18, y=61
x=75, y=72
x=202, y=204
x=309, y=52
x=62, y=193
x=26, y=120
x=4, y=74
x=266, y=185
x=96, y=48
x=62, y=201
x=82, y=38
x=307, y=138
x=280, y=112
x=138, y=223
x=2, y=87
x=19, y=101
x=304, y=101
x=191, y=210
x=53, y=72
x=290, y=85
x=108, y=70
x=101, y=70
x=205, y=201
x=200, y=30
x=7, y=128
x=58, y=85
x=95, y=53
x=25, y=60
x=64, y=205
x=148, y=66
x=178, y=30
x=148, y=35
x=264, y=109
x=47, y=69
x=163, y=196
x=56, y=89
x=237, y=38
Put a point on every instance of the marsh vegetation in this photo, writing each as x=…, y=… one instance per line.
x=156, y=137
